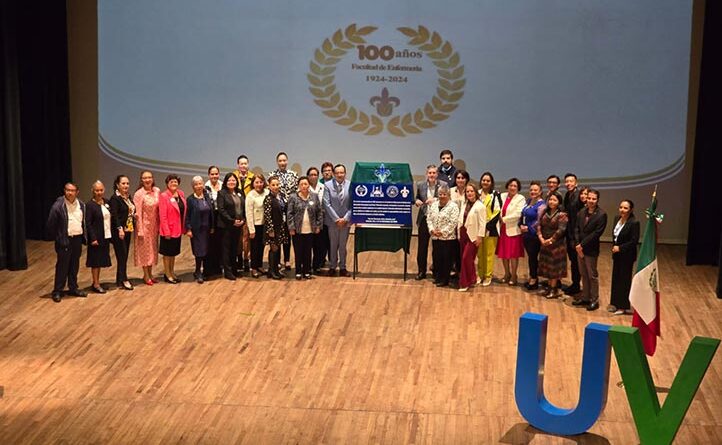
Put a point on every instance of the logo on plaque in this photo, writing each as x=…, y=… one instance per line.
x=361, y=190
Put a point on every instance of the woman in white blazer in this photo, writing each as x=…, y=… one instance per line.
x=254, y=218
x=511, y=245
x=472, y=228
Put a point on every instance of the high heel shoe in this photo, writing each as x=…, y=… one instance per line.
x=149, y=282
x=98, y=290
x=124, y=285
x=169, y=280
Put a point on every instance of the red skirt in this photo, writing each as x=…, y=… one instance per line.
x=509, y=247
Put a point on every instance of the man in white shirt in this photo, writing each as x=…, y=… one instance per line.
x=66, y=225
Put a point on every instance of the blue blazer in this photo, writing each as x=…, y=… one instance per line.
x=193, y=216
x=336, y=208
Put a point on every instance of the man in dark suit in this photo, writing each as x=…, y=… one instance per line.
x=426, y=193
x=590, y=226
x=572, y=205
x=447, y=171
x=66, y=225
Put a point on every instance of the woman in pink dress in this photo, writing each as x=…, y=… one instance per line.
x=147, y=226
x=511, y=247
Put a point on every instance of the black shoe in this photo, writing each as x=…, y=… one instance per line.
x=580, y=303
x=420, y=276
x=299, y=277
x=288, y=266
x=78, y=293
x=169, y=280
x=593, y=306
x=246, y=266
x=198, y=277
x=125, y=285
x=307, y=276
x=344, y=273
x=331, y=273
x=571, y=290
x=534, y=286
x=229, y=276
x=440, y=284
x=56, y=297
x=98, y=290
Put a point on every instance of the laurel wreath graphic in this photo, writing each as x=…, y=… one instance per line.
x=449, y=91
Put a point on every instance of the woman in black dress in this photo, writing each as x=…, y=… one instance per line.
x=199, y=225
x=231, y=217
x=100, y=228
x=274, y=226
x=123, y=211
x=624, y=254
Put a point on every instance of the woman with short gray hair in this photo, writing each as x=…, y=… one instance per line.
x=199, y=225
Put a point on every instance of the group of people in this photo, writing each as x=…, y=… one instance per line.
x=229, y=222
x=469, y=227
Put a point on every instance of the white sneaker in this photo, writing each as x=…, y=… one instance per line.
x=463, y=289
x=486, y=282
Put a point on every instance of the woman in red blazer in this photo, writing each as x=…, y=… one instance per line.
x=172, y=211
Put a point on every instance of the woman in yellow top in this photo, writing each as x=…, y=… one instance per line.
x=487, y=250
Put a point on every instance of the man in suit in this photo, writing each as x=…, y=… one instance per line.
x=66, y=225
x=590, y=226
x=572, y=205
x=337, y=206
x=447, y=171
x=426, y=193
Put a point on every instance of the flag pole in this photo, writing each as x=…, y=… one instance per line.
x=654, y=193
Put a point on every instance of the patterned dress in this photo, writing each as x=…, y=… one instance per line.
x=147, y=227
x=288, y=180
x=274, y=220
x=553, y=258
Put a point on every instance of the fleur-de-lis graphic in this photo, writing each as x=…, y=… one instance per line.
x=382, y=173
x=384, y=104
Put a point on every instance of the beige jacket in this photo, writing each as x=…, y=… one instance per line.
x=475, y=220
x=513, y=213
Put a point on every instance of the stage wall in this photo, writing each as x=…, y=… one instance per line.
x=606, y=90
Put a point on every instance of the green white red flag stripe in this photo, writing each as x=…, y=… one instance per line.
x=644, y=293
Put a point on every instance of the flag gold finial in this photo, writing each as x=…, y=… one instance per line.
x=654, y=193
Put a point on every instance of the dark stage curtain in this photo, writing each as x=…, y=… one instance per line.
x=705, y=224
x=34, y=122
x=12, y=226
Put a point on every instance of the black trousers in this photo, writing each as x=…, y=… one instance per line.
x=229, y=246
x=68, y=264
x=574, y=263
x=121, y=248
x=287, y=252
x=532, y=245
x=321, y=246
x=423, y=250
x=622, y=268
x=257, y=248
x=212, y=263
x=444, y=255
x=302, y=246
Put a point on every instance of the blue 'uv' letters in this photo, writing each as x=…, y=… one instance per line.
x=529, y=386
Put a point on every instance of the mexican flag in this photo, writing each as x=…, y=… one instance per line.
x=644, y=294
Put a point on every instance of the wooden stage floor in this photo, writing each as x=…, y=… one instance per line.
x=335, y=361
